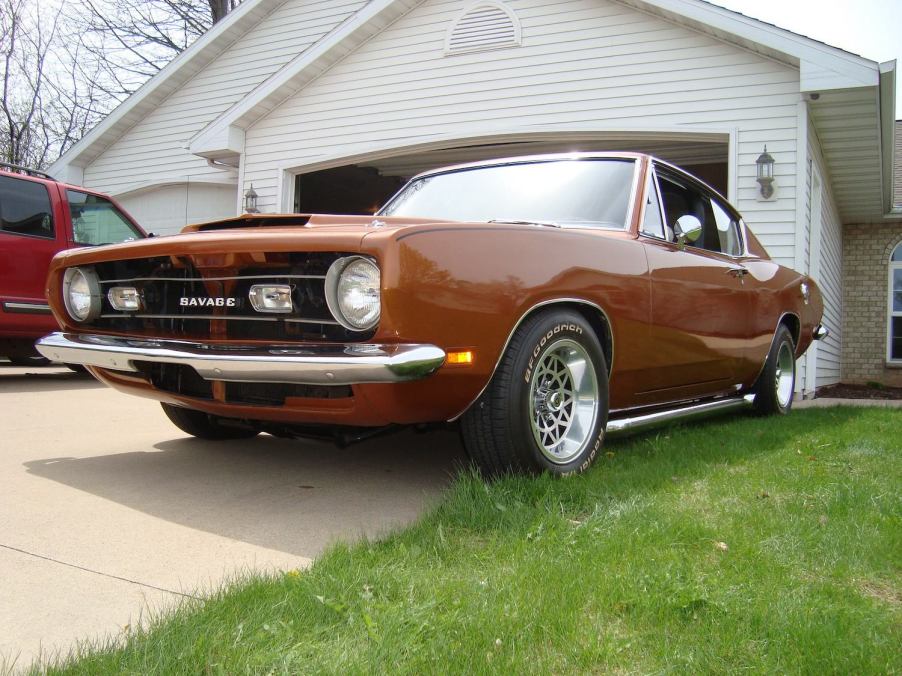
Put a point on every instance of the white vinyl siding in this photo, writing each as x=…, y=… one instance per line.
x=582, y=62
x=155, y=148
x=829, y=277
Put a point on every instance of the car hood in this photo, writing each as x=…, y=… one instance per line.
x=269, y=232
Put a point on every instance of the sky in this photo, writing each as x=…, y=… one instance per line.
x=869, y=28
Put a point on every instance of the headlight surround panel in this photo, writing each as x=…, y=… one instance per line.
x=353, y=292
x=82, y=294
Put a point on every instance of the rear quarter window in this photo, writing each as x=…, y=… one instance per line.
x=25, y=208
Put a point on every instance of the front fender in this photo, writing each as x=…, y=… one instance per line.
x=467, y=288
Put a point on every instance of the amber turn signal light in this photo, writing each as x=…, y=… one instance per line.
x=461, y=357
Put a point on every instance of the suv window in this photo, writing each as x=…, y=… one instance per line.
x=96, y=220
x=25, y=208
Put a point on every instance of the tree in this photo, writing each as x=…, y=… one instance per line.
x=129, y=41
x=25, y=43
x=65, y=65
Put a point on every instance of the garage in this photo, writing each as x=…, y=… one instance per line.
x=360, y=185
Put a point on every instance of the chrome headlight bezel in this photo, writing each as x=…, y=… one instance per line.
x=91, y=285
x=337, y=273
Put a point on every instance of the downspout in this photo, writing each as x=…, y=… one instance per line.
x=887, y=106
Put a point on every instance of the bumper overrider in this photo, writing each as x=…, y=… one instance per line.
x=312, y=364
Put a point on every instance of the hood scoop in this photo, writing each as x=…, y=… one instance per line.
x=252, y=221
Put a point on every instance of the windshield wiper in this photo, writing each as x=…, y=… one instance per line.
x=515, y=221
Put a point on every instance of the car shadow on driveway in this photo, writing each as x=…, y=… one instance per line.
x=18, y=379
x=287, y=495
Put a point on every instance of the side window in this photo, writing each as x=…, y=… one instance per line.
x=681, y=199
x=25, y=208
x=96, y=220
x=720, y=231
x=728, y=231
x=653, y=224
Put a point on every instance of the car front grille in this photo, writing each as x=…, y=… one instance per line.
x=164, y=282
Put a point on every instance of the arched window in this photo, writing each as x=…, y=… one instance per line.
x=894, y=347
x=482, y=25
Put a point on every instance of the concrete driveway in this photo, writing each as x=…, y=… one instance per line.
x=108, y=512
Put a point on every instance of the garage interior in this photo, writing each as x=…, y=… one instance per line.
x=364, y=186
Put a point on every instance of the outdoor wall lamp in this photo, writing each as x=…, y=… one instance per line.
x=250, y=201
x=765, y=164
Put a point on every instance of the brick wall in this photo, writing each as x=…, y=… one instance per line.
x=866, y=252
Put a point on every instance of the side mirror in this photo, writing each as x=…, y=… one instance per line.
x=687, y=229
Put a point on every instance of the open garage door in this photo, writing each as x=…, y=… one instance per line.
x=361, y=187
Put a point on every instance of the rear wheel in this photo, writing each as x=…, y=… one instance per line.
x=546, y=407
x=776, y=384
x=205, y=426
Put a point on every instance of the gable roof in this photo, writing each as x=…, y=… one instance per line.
x=225, y=135
x=175, y=74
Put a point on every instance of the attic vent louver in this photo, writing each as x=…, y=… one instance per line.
x=483, y=25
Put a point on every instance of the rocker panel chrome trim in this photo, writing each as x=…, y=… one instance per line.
x=629, y=425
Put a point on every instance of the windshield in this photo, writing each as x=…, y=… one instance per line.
x=96, y=221
x=565, y=192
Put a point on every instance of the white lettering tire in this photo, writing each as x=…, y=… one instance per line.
x=546, y=407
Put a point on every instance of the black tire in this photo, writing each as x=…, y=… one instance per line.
x=29, y=361
x=205, y=426
x=773, y=384
x=503, y=430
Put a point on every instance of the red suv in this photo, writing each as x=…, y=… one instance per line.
x=38, y=217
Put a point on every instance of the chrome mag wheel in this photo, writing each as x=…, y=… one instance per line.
x=563, y=401
x=784, y=374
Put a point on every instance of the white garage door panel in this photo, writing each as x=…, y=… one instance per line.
x=167, y=209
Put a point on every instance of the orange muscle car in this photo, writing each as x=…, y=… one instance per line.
x=541, y=302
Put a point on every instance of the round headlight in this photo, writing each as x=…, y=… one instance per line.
x=81, y=292
x=353, y=294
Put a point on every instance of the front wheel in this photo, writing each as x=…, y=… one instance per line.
x=29, y=361
x=205, y=426
x=776, y=384
x=546, y=407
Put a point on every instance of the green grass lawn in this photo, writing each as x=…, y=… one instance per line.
x=737, y=545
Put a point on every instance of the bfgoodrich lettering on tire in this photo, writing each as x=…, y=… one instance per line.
x=547, y=404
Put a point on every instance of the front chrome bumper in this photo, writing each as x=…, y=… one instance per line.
x=316, y=364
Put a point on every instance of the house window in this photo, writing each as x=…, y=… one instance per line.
x=894, y=348
x=485, y=24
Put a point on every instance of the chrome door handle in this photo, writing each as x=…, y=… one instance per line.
x=738, y=272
